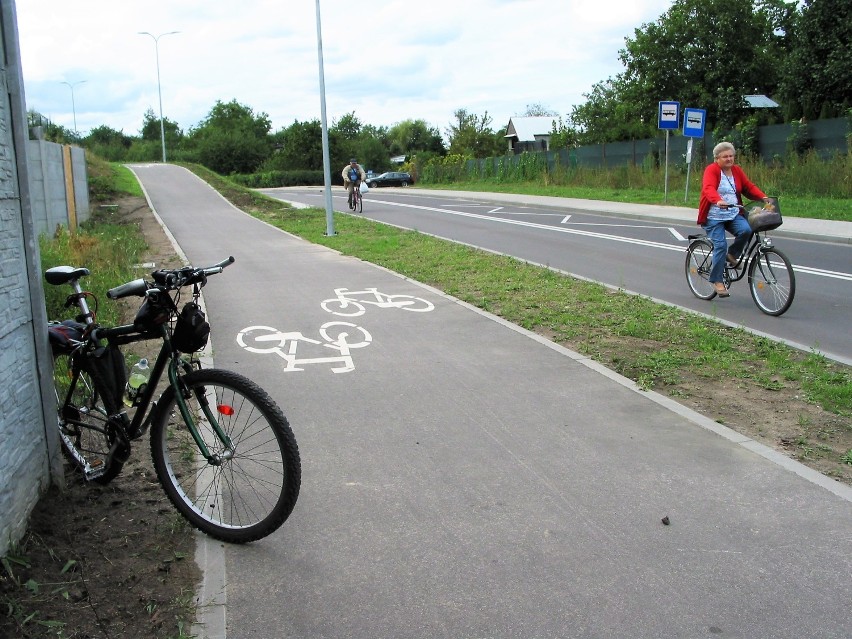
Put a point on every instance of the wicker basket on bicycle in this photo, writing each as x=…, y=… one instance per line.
x=766, y=217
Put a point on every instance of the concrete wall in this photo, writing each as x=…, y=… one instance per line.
x=50, y=199
x=29, y=456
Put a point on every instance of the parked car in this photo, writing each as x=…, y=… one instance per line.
x=390, y=179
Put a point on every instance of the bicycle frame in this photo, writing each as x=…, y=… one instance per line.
x=171, y=361
x=758, y=242
x=169, y=358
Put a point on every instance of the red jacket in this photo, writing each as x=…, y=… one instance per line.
x=710, y=184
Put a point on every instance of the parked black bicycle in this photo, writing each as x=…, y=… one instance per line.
x=770, y=274
x=222, y=449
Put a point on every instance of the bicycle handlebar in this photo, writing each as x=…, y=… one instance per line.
x=169, y=279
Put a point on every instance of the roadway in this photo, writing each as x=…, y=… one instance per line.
x=635, y=248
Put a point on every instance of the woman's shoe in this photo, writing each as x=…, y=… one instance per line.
x=732, y=261
x=721, y=291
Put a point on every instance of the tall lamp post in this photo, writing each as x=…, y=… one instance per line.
x=159, y=90
x=71, y=86
x=326, y=162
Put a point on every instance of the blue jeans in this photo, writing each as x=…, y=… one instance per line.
x=716, y=232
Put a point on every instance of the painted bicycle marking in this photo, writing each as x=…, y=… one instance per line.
x=338, y=336
x=354, y=303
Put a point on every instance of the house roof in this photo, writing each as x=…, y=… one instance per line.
x=760, y=102
x=525, y=129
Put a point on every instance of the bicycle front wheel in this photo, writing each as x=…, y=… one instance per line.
x=771, y=281
x=85, y=430
x=360, y=202
x=699, y=259
x=249, y=488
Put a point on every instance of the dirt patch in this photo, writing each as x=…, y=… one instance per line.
x=105, y=561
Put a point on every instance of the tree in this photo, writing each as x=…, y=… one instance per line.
x=151, y=129
x=694, y=51
x=297, y=147
x=410, y=137
x=471, y=135
x=232, y=139
x=817, y=76
x=108, y=143
x=536, y=109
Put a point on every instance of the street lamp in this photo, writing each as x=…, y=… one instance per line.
x=326, y=162
x=159, y=90
x=71, y=86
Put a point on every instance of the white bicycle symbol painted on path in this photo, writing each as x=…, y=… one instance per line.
x=352, y=303
x=338, y=336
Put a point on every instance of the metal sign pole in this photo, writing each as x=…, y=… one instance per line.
x=666, y=188
x=688, y=167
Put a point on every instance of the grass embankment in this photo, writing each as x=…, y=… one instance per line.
x=108, y=249
x=660, y=347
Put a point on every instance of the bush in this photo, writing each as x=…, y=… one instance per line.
x=273, y=179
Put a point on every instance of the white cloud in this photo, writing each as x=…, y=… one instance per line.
x=386, y=61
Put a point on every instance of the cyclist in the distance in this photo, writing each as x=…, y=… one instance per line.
x=352, y=174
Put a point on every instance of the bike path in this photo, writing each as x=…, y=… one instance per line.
x=467, y=478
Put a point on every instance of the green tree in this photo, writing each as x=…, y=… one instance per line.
x=410, y=137
x=151, y=129
x=817, y=75
x=692, y=53
x=108, y=143
x=232, y=139
x=471, y=135
x=297, y=147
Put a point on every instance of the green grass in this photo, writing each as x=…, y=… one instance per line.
x=108, y=250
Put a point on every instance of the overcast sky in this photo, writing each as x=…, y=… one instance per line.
x=386, y=60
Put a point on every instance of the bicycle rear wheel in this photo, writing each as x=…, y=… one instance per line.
x=252, y=488
x=699, y=259
x=771, y=281
x=85, y=430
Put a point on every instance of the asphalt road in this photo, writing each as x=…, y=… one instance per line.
x=645, y=256
x=464, y=478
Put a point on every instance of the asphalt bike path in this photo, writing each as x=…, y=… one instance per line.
x=463, y=477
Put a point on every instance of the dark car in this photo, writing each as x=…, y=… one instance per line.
x=390, y=179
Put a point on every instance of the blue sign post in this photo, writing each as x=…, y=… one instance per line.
x=693, y=127
x=668, y=119
x=669, y=116
x=693, y=122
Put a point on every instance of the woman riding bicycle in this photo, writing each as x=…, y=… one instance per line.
x=722, y=189
x=352, y=174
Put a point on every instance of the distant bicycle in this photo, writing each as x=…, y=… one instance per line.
x=770, y=274
x=356, y=200
x=352, y=303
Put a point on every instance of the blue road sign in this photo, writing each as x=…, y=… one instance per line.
x=693, y=122
x=669, y=115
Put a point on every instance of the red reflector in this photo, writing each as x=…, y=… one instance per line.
x=224, y=409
